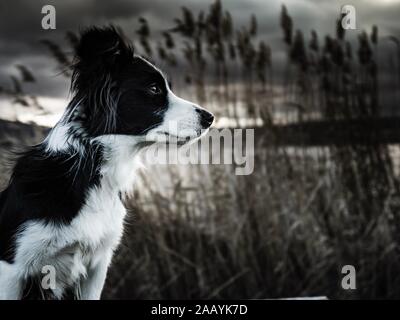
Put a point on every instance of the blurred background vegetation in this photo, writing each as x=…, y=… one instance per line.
x=325, y=191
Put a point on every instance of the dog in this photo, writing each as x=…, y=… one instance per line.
x=62, y=210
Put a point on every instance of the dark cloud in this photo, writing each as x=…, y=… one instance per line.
x=20, y=25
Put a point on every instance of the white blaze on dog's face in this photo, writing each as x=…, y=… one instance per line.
x=182, y=121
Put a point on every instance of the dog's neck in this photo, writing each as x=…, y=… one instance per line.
x=119, y=153
x=121, y=161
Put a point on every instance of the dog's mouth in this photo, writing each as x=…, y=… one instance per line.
x=174, y=139
x=171, y=138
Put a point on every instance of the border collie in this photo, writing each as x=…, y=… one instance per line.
x=63, y=205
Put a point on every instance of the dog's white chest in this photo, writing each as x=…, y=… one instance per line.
x=76, y=247
x=100, y=221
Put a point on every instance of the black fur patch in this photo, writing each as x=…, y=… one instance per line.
x=46, y=187
x=114, y=86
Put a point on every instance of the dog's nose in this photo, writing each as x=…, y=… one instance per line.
x=206, y=118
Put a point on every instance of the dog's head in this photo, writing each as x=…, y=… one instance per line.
x=119, y=93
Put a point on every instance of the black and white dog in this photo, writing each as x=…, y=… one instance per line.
x=62, y=207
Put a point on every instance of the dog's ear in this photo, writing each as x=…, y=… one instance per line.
x=102, y=47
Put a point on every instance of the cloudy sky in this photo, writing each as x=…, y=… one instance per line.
x=20, y=27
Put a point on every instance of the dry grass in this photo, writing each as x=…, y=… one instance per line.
x=284, y=231
x=287, y=229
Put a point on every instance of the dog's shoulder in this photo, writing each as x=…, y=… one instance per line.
x=43, y=187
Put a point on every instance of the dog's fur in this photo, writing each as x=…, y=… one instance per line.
x=63, y=207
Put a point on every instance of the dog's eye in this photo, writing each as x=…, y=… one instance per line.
x=155, y=89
